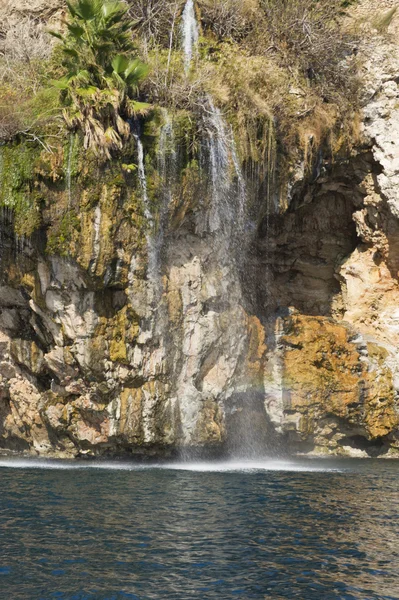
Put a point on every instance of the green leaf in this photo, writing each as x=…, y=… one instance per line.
x=61, y=84
x=71, y=8
x=129, y=168
x=87, y=92
x=140, y=108
x=56, y=34
x=82, y=76
x=71, y=52
x=76, y=30
x=86, y=9
x=120, y=63
x=113, y=8
x=137, y=70
x=118, y=81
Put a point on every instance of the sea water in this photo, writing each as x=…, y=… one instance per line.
x=306, y=529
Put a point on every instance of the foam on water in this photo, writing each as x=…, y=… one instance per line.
x=198, y=467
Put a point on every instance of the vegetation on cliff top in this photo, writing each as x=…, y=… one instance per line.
x=282, y=72
x=101, y=76
x=289, y=61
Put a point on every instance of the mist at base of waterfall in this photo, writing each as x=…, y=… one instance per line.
x=200, y=466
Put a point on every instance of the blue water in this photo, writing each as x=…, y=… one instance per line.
x=309, y=530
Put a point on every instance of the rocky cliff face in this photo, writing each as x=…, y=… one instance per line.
x=334, y=261
x=196, y=328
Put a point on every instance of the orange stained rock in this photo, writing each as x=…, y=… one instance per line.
x=328, y=374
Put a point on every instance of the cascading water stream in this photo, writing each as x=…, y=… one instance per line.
x=68, y=185
x=7, y=219
x=228, y=204
x=142, y=177
x=190, y=34
x=152, y=271
x=97, y=238
x=167, y=165
x=228, y=221
x=221, y=146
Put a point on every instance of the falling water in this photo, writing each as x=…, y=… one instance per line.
x=229, y=217
x=7, y=222
x=7, y=218
x=142, y=177
x=271, y=204
x=96, y=241
x=167, y=165
x=166, y=146
x=190, y=33
x=151, y=245
x=219, y=157
x=221, y=146
x=228, y=206
x=68, y=181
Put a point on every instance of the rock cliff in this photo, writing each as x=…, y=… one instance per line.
x=204, y=327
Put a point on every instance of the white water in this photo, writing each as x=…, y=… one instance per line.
x=219, y=161
x=142, y=177
x=167, y=165
x=233, y=466
x=152, y=272
x=242, y=188
x=190, y=34
x=96, y=241
x=228, y=204
x=166, y=145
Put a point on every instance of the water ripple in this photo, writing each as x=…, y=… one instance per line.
x=312, y=530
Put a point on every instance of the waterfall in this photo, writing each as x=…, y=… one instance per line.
x=68, y=182
x=225, y=213
x=7, y=220
x=190, y=33
x=166, y=145
x=242, y=188
x=97, y=240
x=229, y=220
x=228, y=205
x=152, y=271
x=167, y=165
x=142, y=177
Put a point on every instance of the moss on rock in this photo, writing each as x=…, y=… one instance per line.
x=327, y=375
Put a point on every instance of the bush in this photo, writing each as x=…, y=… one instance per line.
x=310, y=36
x=155, y=20
x=230, y=19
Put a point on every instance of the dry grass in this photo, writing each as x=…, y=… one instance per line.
x=230, y=19
x=381, y=22
x=289, y=62
x=25, y=41
x=284, y=66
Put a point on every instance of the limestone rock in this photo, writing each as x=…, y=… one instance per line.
x=335, y=385
x=117, y=339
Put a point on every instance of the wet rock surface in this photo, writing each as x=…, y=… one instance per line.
x=220, y=335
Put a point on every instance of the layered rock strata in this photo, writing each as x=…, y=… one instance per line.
x=207, y=332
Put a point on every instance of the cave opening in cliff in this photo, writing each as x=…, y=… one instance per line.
x=300, y=251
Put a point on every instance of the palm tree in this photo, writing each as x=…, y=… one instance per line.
x=102, y=74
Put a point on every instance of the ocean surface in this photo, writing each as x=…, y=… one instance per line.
x=305, y=529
